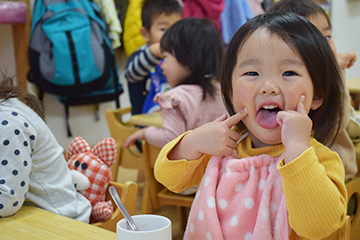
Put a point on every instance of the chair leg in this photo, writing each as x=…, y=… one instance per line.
x=183, y=213
x=146, y=204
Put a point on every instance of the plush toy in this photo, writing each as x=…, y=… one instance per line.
x=95, y=165
x=79, y=180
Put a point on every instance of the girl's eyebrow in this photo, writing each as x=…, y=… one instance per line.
x=293, y=61
x=254, y=61
x=249, y=62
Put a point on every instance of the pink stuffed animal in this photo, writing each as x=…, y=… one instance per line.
x=95, y=165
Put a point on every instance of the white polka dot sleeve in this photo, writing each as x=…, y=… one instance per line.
x=16, y=140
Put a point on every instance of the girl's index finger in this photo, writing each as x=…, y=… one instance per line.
x=300, y=108
x=234, y=119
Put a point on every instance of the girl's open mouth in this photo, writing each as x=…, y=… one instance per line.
x=266, y=116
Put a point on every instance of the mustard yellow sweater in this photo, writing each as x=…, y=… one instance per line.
x=313, y=184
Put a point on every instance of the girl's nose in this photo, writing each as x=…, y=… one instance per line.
x=269, y=87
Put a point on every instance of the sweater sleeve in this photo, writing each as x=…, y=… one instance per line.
x=178, y=175
x=174, y=124
x=15, y=162
x=315, y=192
x=139, y=64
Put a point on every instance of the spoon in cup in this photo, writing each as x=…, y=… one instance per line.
x=122, y=208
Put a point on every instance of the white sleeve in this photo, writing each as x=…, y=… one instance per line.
x=15, y=161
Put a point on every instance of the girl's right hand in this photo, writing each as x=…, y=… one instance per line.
x=138, y=135
x=213, y=138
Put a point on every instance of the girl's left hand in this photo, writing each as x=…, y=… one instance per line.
x=295, y=130
x=138, y=135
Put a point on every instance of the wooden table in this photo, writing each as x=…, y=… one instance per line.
x=151, y=119
x=35, y=223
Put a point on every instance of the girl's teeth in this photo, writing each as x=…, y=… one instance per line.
x=269, y=107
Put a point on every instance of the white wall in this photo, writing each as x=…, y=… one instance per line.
x=345, y=19
x=346, y=32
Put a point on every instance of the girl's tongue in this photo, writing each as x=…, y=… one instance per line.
x=266, y=118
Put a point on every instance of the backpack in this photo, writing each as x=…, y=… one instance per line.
x=70, y=54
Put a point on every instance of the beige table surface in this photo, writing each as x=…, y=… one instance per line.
x=151, y=119
x=35, y=223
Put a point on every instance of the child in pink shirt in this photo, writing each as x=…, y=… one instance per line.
x=192, y=50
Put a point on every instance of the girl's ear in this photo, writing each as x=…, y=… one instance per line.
x=316, y=103
x=145, y=33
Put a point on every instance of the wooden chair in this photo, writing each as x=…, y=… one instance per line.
x=351, y=228
x=128, y=194
x=120, y=130
x=353, y=188
x=159, y=195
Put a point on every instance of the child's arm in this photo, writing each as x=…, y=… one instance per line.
x=346, y=60
x=313, y=178
x=315, y=192
x=138, y=135
x=155, y=49
x=174, y=124
x=14, y=168
x=141, y=62
x=186, y=172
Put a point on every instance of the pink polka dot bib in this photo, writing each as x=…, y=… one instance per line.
x=239, y=199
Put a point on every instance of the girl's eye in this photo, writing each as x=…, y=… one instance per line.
x=328, y=38
x=163, y=29
x=251, y=74
x=290, y=73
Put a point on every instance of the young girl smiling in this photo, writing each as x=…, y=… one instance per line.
x=281, y=84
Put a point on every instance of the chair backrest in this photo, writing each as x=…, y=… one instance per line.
x=353, y=189
x=120, y=130
x=150, y=153
x=159, y=195
x=343, y=233
x=128, y=194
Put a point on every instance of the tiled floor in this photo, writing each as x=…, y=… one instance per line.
x=168, y=211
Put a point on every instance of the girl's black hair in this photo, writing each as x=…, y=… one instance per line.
x=311, y=46
x=196, y=44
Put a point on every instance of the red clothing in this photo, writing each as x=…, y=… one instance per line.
x=204, y=9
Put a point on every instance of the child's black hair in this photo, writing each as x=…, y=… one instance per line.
x=196, y=44
x=153, y=8
x=305, y=8
x=311, y=46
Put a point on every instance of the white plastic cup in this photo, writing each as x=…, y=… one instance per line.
x=150, y=226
